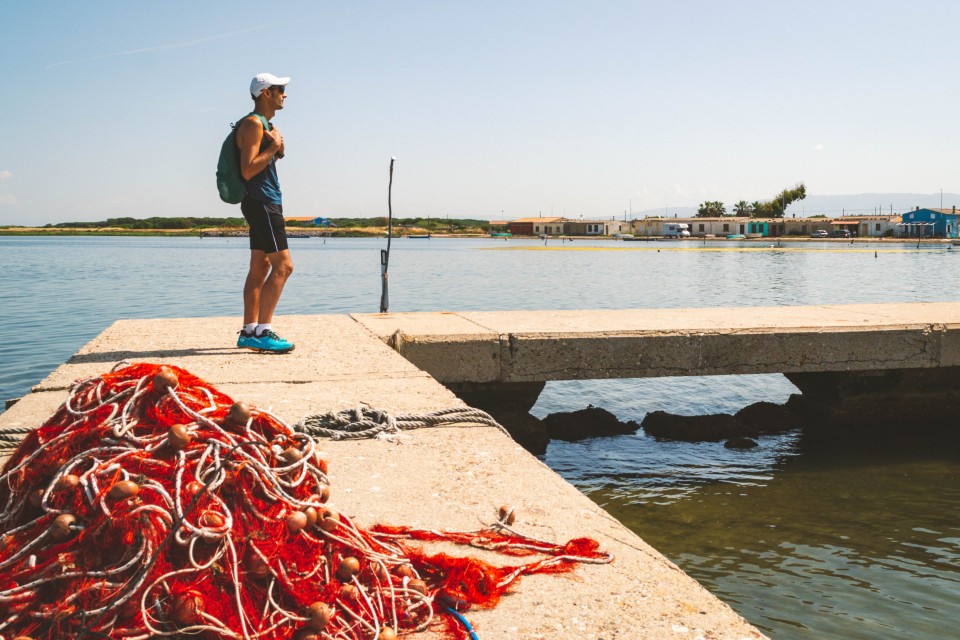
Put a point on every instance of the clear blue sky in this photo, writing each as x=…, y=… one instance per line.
x=119, y=108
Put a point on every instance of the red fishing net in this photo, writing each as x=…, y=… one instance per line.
x=152, y=505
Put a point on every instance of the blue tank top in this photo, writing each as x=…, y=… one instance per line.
x=265, y=186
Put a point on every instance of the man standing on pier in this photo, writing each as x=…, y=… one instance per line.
x=260, y=145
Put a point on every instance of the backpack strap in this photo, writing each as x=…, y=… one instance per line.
x=266, y=125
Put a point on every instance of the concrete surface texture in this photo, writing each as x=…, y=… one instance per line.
x=441, y=478
x=526, y=346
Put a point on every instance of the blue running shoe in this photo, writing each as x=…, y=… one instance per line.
x=246, y=339
x=271, y=342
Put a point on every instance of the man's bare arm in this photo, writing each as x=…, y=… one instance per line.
x=249, y=135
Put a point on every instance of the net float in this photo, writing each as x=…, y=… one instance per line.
x=387, y=633
x=187, y=608
x=330, y=524
x=66, y=483
x=178, y=437
x=418, y=585
x=239, y=413
x=405, y=571
x=506, y=515
x=326, y=512
x=62, y=526
x=324, y=494
x=312, y=516
x=212, y=520
x=35, y=498
x=379, y=571
x=124, y=489
x=256, y=566
x=347, y=568
x=349, y=592
x=318, y=616
x=296, y=521
x=194, y=487
x=165, y=379
x=292, y=455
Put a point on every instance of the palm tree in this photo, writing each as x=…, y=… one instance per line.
x=742, y=208
x=711, y=209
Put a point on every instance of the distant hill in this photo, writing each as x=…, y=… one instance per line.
x=855, y=204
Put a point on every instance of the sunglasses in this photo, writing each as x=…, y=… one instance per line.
x=279, y=87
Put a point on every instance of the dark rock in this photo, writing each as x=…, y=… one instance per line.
x=710, y=428
x=586, y=423
x=740, y=442
x=528, y=430
x=768, y=417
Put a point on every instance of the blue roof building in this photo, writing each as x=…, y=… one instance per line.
x=929, y=223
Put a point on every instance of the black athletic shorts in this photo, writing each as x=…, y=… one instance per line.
x=268, y=233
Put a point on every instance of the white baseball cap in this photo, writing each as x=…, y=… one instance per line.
x=263, y=81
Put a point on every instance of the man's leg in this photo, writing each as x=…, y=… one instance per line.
x=252, y=288
x=281, y=266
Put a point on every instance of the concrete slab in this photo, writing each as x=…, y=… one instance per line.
x=328, y=346
x=453, y=478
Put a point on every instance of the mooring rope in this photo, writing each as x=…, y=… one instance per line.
x=11, y=437
x=360, y=423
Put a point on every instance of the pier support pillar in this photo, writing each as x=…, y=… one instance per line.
x=928, y=397
x=509, y=403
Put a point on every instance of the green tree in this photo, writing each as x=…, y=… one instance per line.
x=743, y=208
x=711, y=209
x=776, y=207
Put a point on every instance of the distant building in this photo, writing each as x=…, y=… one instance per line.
x=804, y=227
x=929, y=223
x=317, y=222
x=875, y=226
x=595, y=227
x=537, y=226
x=720, y=226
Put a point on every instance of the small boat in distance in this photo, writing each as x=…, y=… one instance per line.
x=736, y=236
x=501, y=234
x=419, y=236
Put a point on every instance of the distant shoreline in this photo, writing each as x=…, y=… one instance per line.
x=375, y=232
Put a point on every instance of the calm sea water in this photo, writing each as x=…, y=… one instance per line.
x=806, y=536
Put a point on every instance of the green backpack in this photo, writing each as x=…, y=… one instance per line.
x=230, y=182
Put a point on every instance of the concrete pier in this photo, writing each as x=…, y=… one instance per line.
x=537, y=346
x=442, y=478
x=868, y=363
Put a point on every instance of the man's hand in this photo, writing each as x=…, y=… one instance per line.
x=276, y=140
